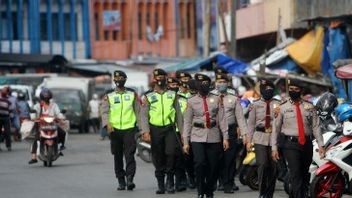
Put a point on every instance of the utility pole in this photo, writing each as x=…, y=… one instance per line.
x=206, y=27
x=221, y=14
x=233, y=49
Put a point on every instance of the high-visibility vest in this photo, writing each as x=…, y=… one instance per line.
x=162, y=111
x=121, y=114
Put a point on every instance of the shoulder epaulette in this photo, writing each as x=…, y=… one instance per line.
x=214, y=92
x=130, y=89
x=181, y=96
x=283, y=102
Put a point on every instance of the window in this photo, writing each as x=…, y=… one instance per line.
x=156, y=20
x=115, y=35
x=124, y=18
x=140, y=33
x=165, y=19
x=43, y=27
x=182, y=20
x=106, y=34
x=96, y=26
x=189, y=10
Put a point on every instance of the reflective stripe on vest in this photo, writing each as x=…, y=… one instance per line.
x=161, y=108
x=121, y=114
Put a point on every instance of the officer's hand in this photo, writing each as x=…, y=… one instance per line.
x=226, y=145
x=321, y=152
x=109, y=129
x=275, y=155
x=146, y=137
x=244, y=139
x=249, y=147
x=186, y=148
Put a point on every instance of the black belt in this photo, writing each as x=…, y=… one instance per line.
x=263, y=129
x=295, y=139
x=203, y=125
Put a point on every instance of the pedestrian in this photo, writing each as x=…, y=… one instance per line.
x=260, y=120
x=14, y=115
x=23, y=106
x=93, y=110
x=297, y=120
x=205, y=123
x=185, y=93
x=159, y=115
x=5, y=117
x=120, y=117
x=235, y=118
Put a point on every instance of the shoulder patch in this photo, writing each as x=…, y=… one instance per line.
x=283, y=102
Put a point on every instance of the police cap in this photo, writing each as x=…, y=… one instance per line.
x=202, y=77
x=265, y=82
x=220, y=70
x=181, y=74
x=294, y=82
x=159, y=72
x=221, y=77
x=172, y=80
x=118, y=73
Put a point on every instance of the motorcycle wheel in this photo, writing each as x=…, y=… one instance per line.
x=320, y=186
x=242, y=175
x=50, y=155
x=252, y=178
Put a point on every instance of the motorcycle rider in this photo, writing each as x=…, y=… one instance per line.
x=47, y=107
x=120, y=110
x=297, y=120
x=260, y=119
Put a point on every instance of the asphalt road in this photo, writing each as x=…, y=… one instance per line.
x=86, y=171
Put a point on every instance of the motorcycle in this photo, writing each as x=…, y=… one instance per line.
x=248, y=174
x=334, y=177
x=48, y=146
x=144, y=150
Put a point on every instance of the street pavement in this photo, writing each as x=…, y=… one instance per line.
x=86, y=171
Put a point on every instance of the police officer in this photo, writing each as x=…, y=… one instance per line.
x=260, y=119
x=203, y=120
x=180, y=175
x=186, y=90
x=223, y=71
x=160, y=111
x=297, y=120
x=235, y=118
x=120, y=110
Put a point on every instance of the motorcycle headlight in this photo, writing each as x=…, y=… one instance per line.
x=48, y=119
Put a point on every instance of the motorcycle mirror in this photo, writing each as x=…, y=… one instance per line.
x=63, y=111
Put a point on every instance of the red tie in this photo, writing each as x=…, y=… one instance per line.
x=267, y=115
x=207, y=116
x=301, y=137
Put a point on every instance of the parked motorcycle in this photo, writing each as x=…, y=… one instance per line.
x=334, y=177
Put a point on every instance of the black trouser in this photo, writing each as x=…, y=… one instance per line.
x=95, y=124
x=180, y=167
x=299, y=158
x=61, y=138
x=123, y=143
x=6, y=134
x=163, y=145
x=189, y=163
x=206, y=164
x=228, y=165
x=267, y=170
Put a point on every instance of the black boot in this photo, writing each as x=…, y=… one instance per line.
x=122, y=183
x=235, y=187
x=130, y=184
x=161, y=186
x=180, y=184
x=170, y=184
x=191, y=183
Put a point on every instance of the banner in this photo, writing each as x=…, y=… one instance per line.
x=111, y=20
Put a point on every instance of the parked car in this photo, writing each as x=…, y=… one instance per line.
x=73, y=101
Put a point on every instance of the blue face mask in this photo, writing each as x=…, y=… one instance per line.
x=222, y=87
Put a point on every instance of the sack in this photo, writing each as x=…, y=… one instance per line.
x=26, y=129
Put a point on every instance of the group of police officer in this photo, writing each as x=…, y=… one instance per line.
x=193, y=127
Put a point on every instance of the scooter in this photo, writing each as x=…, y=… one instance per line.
x=48, y=146
x=248, y=174
x=334, y=178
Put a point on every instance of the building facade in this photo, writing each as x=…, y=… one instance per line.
x=121, y=29
x=45, y=27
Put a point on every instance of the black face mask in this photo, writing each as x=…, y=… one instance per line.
x=295, y=95
x=161, y=83
x=175, y=89
x=120, y=83
x=203, y=88
x=267, y=94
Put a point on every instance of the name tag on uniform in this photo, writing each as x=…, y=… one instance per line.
x=127, y=97
x=116, y=100
x=211, y=100
x=230, y=100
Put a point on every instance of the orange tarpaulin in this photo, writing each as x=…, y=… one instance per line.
x=307, y=51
